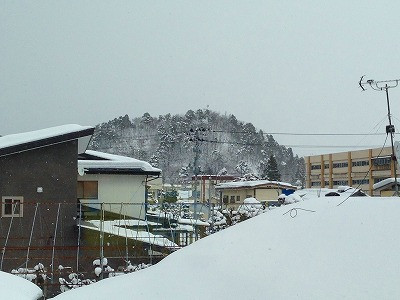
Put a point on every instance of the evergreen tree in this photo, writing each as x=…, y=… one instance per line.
x=272, y=171
x=242, y=167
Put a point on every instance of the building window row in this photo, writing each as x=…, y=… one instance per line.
x=315, y=167
x=382, y=161
x=360, y=163
x=340, y=182
x=361, y=181
x=315, y=183
x=340, y=165
x=230, y=199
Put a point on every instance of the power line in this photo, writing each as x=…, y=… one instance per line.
x=291, y=146
x=326, y=134
x=300, y=134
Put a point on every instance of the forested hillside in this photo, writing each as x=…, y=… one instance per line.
x=202, y=142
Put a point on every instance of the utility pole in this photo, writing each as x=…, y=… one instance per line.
x=196, y=149
x=385, y=85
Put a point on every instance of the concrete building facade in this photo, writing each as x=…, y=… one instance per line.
x=362, y=169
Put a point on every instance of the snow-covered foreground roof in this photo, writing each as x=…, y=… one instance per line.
x=17, y=288
x=252, y=184
x=112, y=161
x=327, y=251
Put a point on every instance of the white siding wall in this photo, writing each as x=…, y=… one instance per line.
x=116, y=189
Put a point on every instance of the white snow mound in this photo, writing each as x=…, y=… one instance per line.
x=318, y=251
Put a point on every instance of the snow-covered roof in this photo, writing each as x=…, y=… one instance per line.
x=309, y=193
x=14, y=287
x=39, y=138
x=103, y=162
x=253, y=184
x=120, y=228
x=323, y=251
x=384, y=183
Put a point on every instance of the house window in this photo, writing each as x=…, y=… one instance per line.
x=12, y=206
x=237, y=198
x=88, y=190
x=225, y=199
x=232, y=199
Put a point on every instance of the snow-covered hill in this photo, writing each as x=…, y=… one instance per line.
x=316, y=251
x=171, y=142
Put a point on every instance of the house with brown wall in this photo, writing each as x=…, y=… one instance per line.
x=38, y=195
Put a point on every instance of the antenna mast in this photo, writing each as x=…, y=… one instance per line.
x=385, y=85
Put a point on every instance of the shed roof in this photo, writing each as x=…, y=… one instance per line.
x=253, y=184
x=20, y=142
x=385, y=183
x=95, y=162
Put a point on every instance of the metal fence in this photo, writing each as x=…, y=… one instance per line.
x=60, y=246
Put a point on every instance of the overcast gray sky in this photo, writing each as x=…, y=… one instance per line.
x=285, y=66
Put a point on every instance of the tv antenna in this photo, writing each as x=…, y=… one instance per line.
x=385, y=85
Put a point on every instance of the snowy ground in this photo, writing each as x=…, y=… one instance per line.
x=319, y=251
x=17, y=288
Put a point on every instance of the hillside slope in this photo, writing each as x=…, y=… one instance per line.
x=207, y=139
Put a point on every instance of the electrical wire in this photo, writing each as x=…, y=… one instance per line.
x=299, y=134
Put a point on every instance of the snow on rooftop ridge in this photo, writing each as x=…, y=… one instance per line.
x=108, y=156
x=31, y=136
x=115, y=161
x=253, y=183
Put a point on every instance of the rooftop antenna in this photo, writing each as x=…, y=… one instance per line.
x=385, y=85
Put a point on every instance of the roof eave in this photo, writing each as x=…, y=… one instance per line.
x=46, y=142
x=121, y=171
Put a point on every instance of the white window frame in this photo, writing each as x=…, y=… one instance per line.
x=13, y=198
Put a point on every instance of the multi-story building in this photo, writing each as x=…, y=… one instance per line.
x=362, y=169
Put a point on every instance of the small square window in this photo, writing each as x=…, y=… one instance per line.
x=88, y=190
x=237, y=198
x=12, y=206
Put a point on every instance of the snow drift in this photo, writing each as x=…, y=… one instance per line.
x=14, y=287
x=323, y=251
